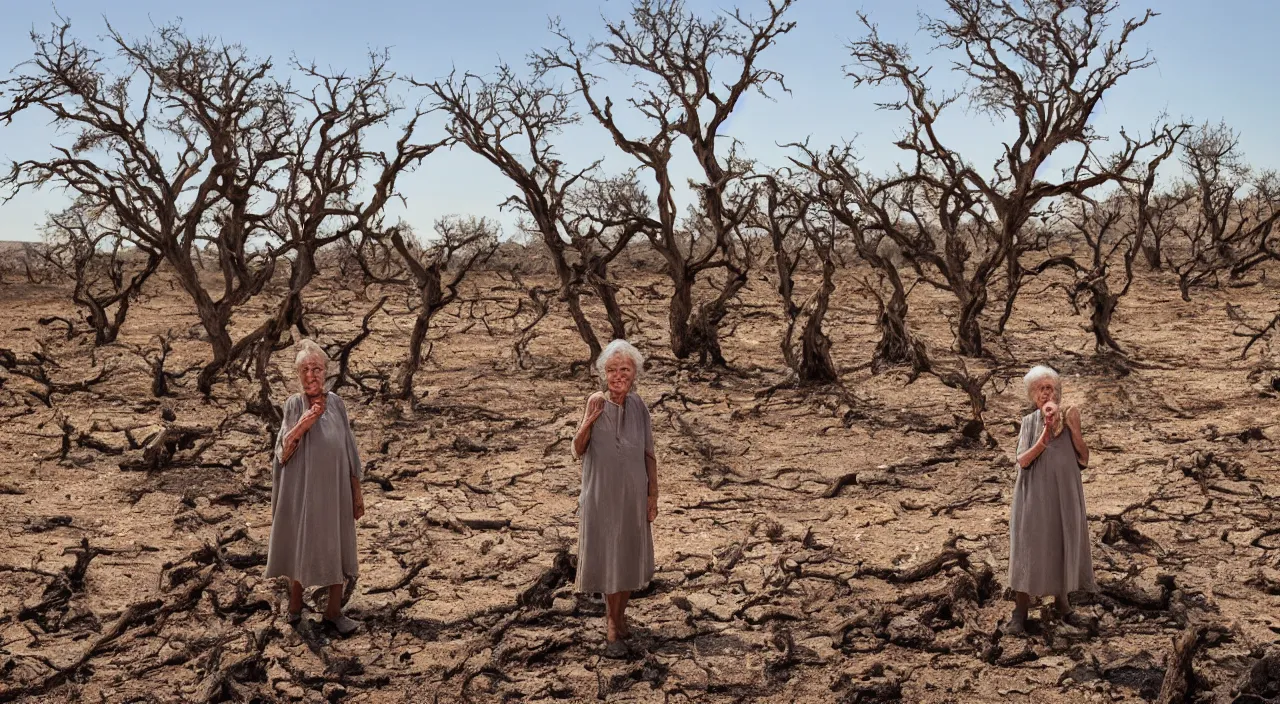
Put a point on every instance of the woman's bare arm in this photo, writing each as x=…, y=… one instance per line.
x=1030, y=454
x=595, y=406
x=1026, y=458
x=357, y=498
x=1077, y=437
x=294, y=437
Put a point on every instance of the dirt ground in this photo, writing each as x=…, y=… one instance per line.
x=812, y=545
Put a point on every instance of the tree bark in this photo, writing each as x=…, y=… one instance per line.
x=1104, y=306
x=968, y=332
x=609, y=298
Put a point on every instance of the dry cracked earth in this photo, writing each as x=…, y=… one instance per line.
x=833, y=544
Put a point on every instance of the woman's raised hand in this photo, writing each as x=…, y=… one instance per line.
x=312, y=415
x=1072, y=417
x=595, y=407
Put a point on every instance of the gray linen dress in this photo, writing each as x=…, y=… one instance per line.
x=1049, y=546
x=313, y=529
x=615, y=544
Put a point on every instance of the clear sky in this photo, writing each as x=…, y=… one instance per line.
x=1214, y=62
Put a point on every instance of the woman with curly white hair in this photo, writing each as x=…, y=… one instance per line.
x=315, y=492
x=1049, y=547
x=619, y=497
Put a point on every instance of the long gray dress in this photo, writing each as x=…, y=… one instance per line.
x=1048, y=529
x=313, y=529
x=615, y=544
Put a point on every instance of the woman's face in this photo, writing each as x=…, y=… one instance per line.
x=1042, y=392
x=311, y=373
x=619, y=374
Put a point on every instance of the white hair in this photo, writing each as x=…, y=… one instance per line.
x=619, y=347
x=1038, y=374
x=308, y=349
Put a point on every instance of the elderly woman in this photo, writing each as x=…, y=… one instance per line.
x=1048, y=531
x=619, y=497
x=315, y=492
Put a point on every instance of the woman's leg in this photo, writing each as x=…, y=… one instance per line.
x=612, y=614
x=295, y=597
x=333, y=605
x=1018, y=622
x=333, y=611
x=623, y=630
x=1063, y=604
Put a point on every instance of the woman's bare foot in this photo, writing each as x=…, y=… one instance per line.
x=295, y=603
x=1062, y=605
x=343, y=624
x=1017, y=625
x=612, y=631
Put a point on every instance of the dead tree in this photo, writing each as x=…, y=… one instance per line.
x=334, y=185
x=36, y=267
x=209, y=181
x=1119, y=225
x=511, y=123
x=869, y=210
x=539, y=305
x=433, y=270
x=156, y=358
x=36, y=368
x=671, y=52
x=1233, y=212
x=786, y=217
x=341, y=352
x=973, y=384
x=1040, y=65
x=82, y=243
x=601, y=217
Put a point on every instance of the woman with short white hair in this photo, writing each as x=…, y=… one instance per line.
x=315, y=492
x=619, y=497
x=1049, y=546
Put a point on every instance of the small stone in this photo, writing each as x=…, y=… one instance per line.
x=909, y=632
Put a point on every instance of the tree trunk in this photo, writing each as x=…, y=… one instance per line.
x=609, y=298
x=103, y=332
x=433, y=299
x=968, y=332
x=705, y=327
x=585, y=331
x=1104, y=306
x=414, y=358
x=1011, y=293
x=816, y=366
x=1151, y=253
x=897, y=345
x=288, y=314
x=216, y=327
x=106, y=328
x=569, y=290
x=682, y=344
x=214, y=317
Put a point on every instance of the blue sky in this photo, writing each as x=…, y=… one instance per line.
x=1213, y=63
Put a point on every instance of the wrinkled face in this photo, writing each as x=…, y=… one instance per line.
x=311, y=372
x=1042, y=392
x=619, y=374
